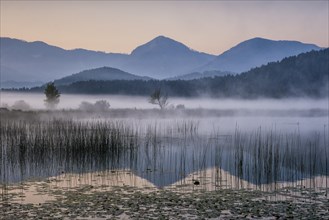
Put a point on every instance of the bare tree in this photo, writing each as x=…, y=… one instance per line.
x=158, y=98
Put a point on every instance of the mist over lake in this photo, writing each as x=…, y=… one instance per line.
x=223, y=115
x=219, y=148
x=72, y=101
x=164, y=110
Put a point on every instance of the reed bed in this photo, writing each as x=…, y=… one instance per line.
x=163, y=152
x=65, y=145
x=282, y=169
x=266, y=158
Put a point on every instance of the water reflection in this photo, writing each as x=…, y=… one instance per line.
x=211, y=179
x=162, y=154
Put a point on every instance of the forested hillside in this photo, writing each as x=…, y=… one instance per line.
x=296, y=76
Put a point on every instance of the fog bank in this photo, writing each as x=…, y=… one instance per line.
x=70, y=101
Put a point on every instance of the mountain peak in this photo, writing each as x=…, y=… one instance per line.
x=258, y=39
x=256, y=52
x=160, y=44
x=263, y=42
x=99, y=74
x=162, y=37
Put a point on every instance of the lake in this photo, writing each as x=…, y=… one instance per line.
x=263, y=151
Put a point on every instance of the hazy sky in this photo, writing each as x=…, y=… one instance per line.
x=120, y=26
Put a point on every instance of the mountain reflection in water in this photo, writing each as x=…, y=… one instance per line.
x=163, y=153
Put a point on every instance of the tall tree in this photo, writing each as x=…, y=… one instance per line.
x=52, y=96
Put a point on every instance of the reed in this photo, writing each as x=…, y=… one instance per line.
x=70, y=145
x=168, y=150
x=271, y=157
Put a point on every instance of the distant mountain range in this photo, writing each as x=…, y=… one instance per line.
x=160, y=58
x=304, y=75
x=256, y=52
x=103, y=73
x=38, y=61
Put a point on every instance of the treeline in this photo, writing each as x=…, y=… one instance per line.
x=302, y=75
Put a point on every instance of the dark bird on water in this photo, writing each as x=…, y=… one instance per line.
x=196, y=182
